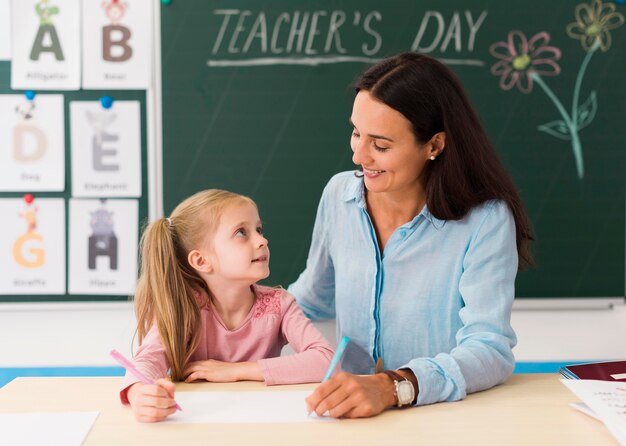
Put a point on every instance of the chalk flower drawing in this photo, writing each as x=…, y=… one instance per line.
x=521, y=57
x=593, y=23
x=523, y=62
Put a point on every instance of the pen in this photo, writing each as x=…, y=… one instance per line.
x=132, y=369
x=341, y=348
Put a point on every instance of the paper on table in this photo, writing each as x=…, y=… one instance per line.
x=607, y=399
x=243, y=407
x=49, y=428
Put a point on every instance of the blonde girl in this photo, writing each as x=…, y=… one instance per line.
x=200, y=313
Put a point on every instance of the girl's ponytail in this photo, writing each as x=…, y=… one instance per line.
x=165, y=297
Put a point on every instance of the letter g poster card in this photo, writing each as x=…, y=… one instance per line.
x=32, y=246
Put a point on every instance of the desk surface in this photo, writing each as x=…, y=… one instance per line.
x=527, y=409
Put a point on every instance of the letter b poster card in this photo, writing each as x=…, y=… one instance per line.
x=32, y=246
x=45, y=36
x=117, y=44
x=106, y=149
x=33, y=143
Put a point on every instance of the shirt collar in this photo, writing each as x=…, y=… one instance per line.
x=355, y=191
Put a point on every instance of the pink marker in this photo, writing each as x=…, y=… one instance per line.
x=132, y=369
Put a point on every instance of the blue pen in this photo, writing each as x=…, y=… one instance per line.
x=341, y=348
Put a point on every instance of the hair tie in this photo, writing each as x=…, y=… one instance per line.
x=169, y=221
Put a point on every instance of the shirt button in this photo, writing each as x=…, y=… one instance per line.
x=403, y=233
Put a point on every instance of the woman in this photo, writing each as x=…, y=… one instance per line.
x=416, y=257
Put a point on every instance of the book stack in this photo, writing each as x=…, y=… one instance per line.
x=599, y=387
x=603, y=371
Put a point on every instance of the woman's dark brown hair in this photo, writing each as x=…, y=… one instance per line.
x=468, y=172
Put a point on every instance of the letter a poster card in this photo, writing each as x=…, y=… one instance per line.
x=117, y=44
x=32, y=246
x=45, y=36
x=33, y=143
x=103, y=246
x=106, y=149
x=5, y=29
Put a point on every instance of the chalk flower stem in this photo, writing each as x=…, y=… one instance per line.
x=571, y=126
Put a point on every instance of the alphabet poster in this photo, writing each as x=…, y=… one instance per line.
x=32, y=246
x=103, y=246
x=117, y=43
x=45, y=37
x=5, y=29
x=33, y=141
x=106, y=149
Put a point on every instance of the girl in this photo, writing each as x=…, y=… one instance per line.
x=200, y=314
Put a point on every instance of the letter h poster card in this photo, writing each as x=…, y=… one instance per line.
x=117, y=44
x=106, y=149
x=103, y=246
x=45, y=36
x=32, y=246
x=33, y=143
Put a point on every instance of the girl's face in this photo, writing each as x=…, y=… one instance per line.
x=384, y=145
x=238, y=251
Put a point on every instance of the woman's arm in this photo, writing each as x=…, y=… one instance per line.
x=483, y=356
x=312, y=352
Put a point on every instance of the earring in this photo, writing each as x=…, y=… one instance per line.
x=432, y=158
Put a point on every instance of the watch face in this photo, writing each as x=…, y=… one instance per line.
x=406, y=393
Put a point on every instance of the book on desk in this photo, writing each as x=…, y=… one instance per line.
x=603, y=371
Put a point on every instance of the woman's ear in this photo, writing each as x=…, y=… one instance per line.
x=437, y=144
x=199, y=262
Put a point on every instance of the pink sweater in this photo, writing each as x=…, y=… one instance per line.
x=274, y=321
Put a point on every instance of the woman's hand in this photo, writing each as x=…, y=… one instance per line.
x=352, y=396
x=152, y=402
x=222, y=372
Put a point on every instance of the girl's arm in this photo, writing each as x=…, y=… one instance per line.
x=312, y=352
x=150, y=360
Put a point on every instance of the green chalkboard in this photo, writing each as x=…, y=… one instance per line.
x=256, y=99
x=68, y=97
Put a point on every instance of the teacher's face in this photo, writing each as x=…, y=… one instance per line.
x=384, y=145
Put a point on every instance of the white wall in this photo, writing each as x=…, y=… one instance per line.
x=82, y=334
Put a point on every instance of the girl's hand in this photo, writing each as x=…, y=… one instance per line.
x=352, y=396
x=152, y=402
x=222, y=372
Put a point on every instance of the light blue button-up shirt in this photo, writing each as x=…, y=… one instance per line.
x=437, y=300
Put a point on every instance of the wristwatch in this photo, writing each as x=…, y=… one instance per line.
x=404, y=392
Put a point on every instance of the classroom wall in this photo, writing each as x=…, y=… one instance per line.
x=82, y=334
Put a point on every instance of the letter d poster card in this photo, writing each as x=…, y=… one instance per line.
x=117, y=44
x=32, y=246
x=106, y=149
x=45, y=36
x=33, y=143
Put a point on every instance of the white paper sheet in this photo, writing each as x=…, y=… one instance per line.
x=606, y=399
x=243, y=407
x=49, y=428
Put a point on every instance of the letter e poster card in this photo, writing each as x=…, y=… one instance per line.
x=32, y=246
x=117, y=44
x=103, y=246
x=106, y=149
x=45, y=36
x=33, y=143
